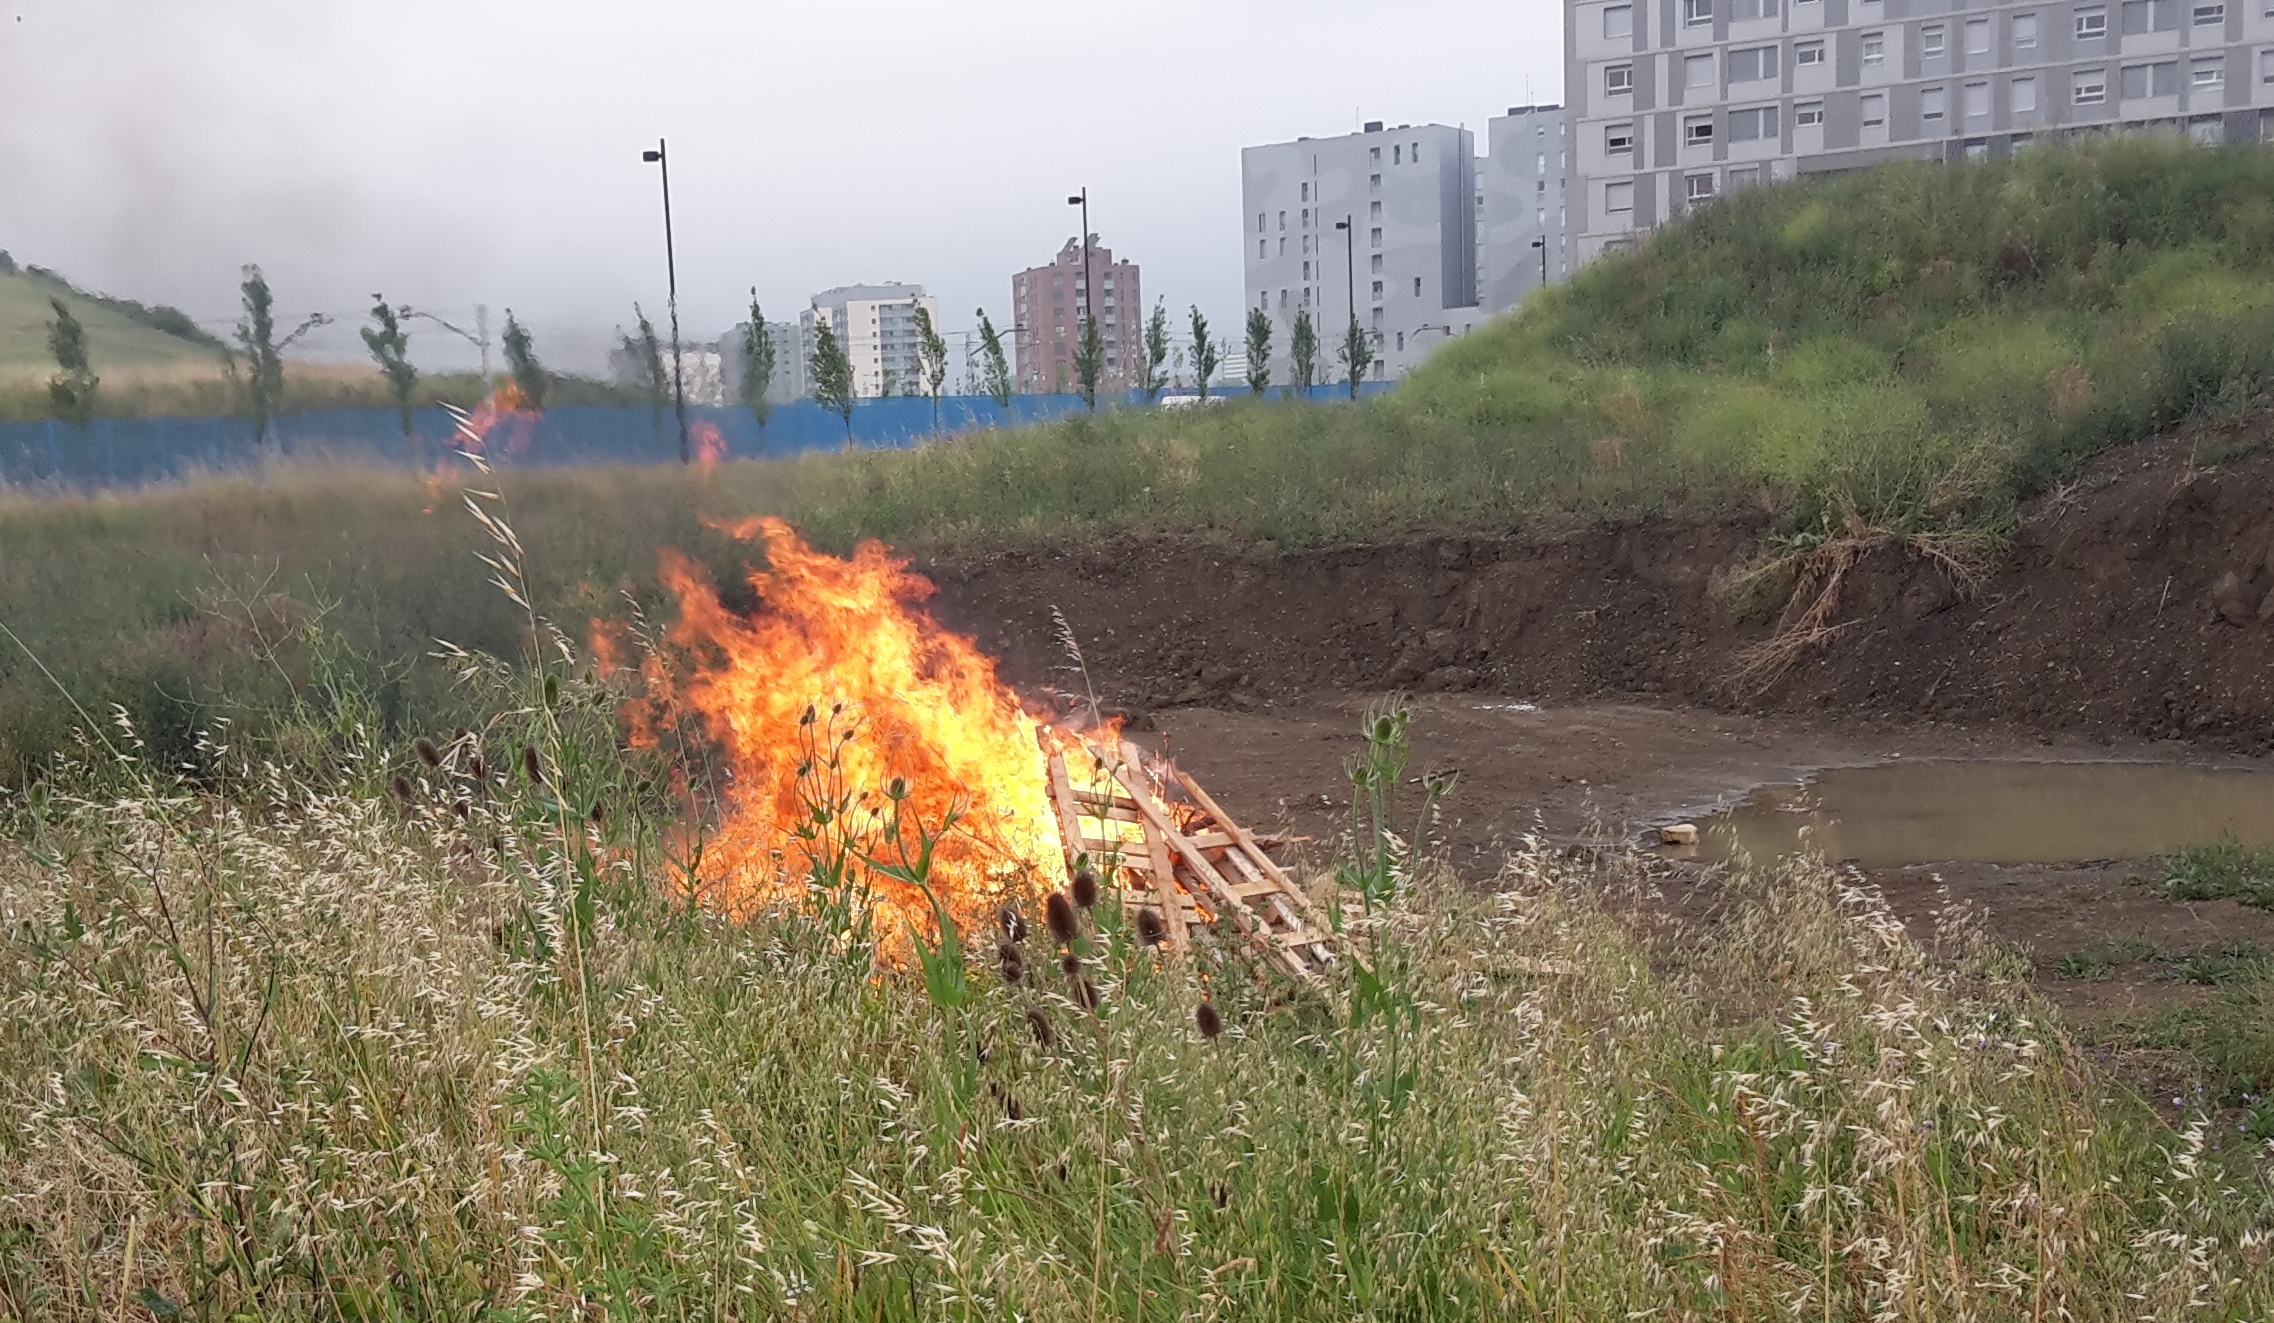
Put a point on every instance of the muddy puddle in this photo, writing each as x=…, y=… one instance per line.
x=1933, y=811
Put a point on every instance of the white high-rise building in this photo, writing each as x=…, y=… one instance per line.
x=1672, y=103
x=1520, y=206
x=1406, y=264
x=876, y=324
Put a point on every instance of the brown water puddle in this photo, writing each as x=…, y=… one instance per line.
x=1933, y=811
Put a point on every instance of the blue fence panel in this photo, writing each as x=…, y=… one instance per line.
x=130, y=452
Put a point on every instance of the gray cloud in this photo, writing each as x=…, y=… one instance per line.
x=449, y=152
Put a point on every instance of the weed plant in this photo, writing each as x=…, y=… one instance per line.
x=2222, y=870
x=359, y=1028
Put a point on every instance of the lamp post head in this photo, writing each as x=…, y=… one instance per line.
x=1342, y=225
x=1539, y=243
x=651, y=157
x=1077, y=201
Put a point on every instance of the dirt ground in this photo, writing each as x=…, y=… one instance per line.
x=1584, y=684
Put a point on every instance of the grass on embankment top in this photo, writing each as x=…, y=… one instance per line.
x=1914, y=348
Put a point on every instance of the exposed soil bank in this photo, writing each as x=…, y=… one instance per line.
x=2137, y=604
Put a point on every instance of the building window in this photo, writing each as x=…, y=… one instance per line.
x=1698, y=188
x=1743, y=177
x=1377, y=264
x=2024, y=96
x=1618, y=199
x=1874, y=48
x=2090, y=87
x=1618, y=139
x=1931, y=101
x=1745, y=11
x=1754, y=125
x=1306, y=270
x=1373, y=183
x=2025, y=32
x=2266, y=67
x=1618, y=80
x=1373, y=211
x=1401, y=342
x=1977, y=100
x=1262, y=248
x=1697, y=71
x=1282, y=220
x=1397, y=155
x=1875, y=110
x=1977, y=36
x=1260, y=221
x=1696, y=13
x=1375, y=156
x=1808, y=115
x=1306, y=218
x=1931, y=39
x=1697, y=131
x=1752, y=64
x=1413, y=153
x=1806, y=53
x=1377, y=291
x=2210, y=15
x=1377, y=236
x=2134, y=81
x=1618, y=22
x=2150, y=16
x=2209, y=74
x=1417, y=287
x=2092, y=25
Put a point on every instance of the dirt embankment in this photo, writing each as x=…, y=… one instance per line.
x=2137, y=603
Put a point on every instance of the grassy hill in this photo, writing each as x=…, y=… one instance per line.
x=128, y=342
x=1905, y=353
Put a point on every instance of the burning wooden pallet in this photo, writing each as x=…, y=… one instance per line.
x=1168, y=848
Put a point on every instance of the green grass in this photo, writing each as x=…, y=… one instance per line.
x=1906, y=351
x=2222, y=870
x=289, y=1044
x=126, y=341
x=2098, y=962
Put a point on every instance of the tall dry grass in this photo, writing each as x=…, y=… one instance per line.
x=357, y=1036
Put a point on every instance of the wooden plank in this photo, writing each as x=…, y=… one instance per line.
x=1164, y=886
x=1249, y=847
x=1245, y=919
x=1069, y=818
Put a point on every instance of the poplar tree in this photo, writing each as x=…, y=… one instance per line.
x=1154, y=377
x=931, y=359
x=529, y=375
x=646, y=353
x=832, y=373
x=1303, y=352
x=1356, y=354
x=264, y=362
x=1259, y=351
x=1203, y=352
x=757, y=363
x=1089, y=362
x=390, y=347
x=995, y=366
x=72, y=389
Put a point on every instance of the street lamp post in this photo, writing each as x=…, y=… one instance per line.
x=661, y=157
x=1541, y=243
x=1087, y=308
x=1350, y=265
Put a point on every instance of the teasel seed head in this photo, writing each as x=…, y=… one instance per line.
x=1150, y=930
x=400, y=787
x=427, y=753
x=1211, y=1023
x=1086, y=995
x=476, y=768
x=1085, y=888
x=1043, y=1033
x=1014, y=965
x=1014, y=924
x=530, y=765
x=1059, y=914
x=1070, y=965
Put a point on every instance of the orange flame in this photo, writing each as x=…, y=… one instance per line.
x=841, y=646
x=710, y=444
x=506, y=408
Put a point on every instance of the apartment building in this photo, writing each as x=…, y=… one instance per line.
x=1520, y=206
x=1050, y=302
x=789, y=382
x=876, y=324
x=1672, y=103
x=1405, y=262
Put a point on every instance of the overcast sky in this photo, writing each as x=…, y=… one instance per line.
x=454, y=152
